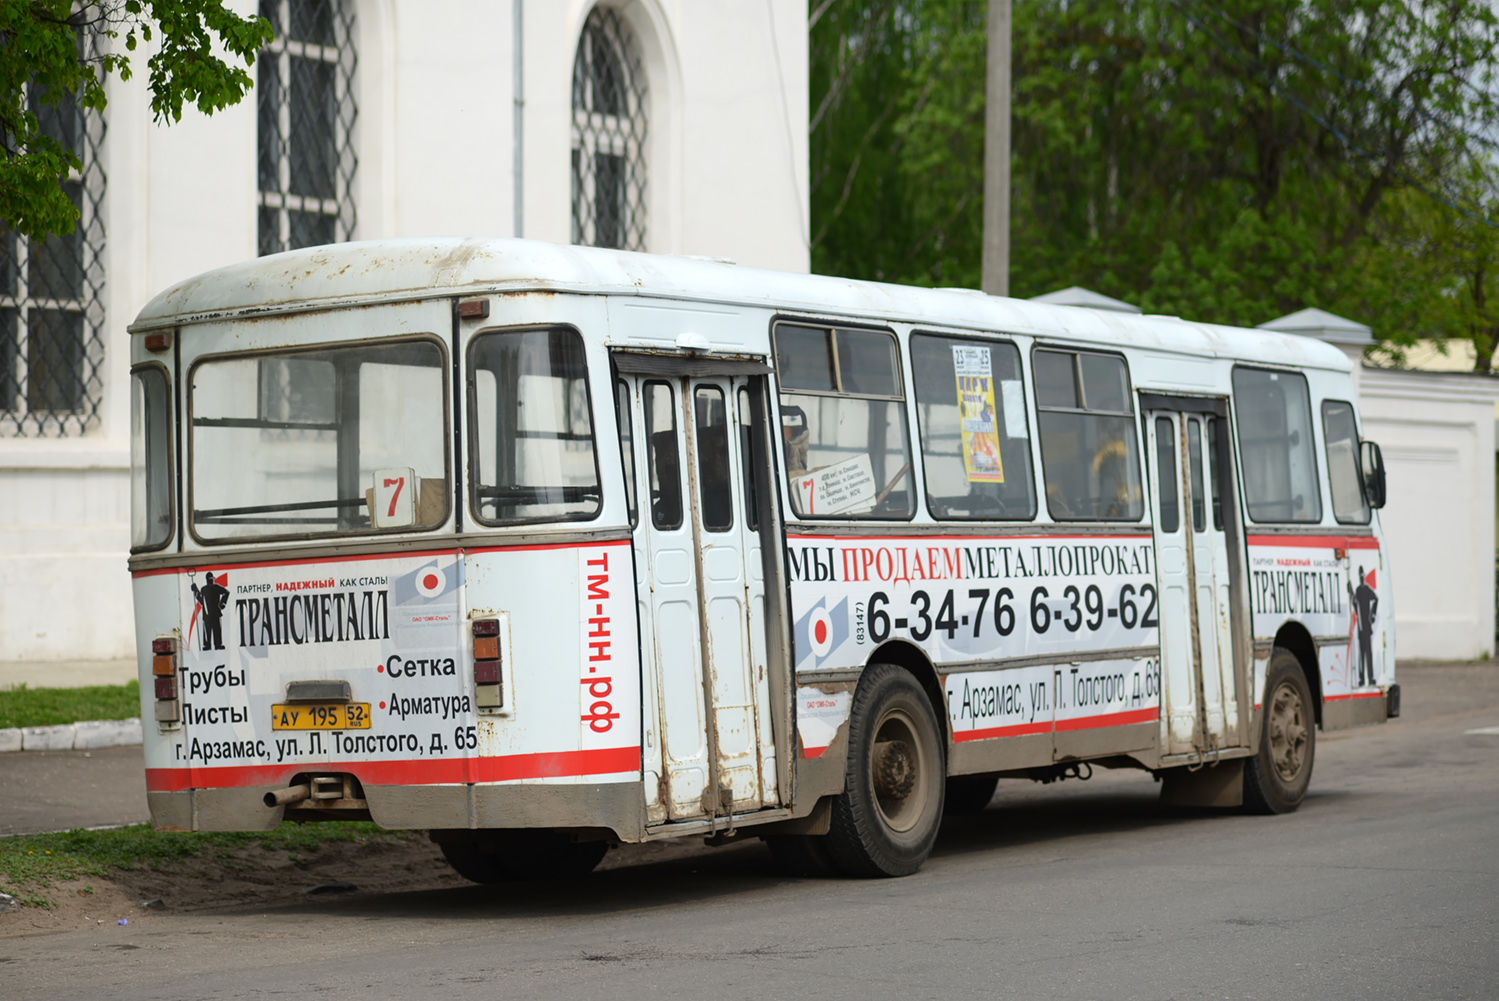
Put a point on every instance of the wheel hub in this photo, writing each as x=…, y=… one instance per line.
x=894, y=769
x=1287, y=733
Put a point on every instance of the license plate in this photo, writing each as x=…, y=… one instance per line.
x=314, y=716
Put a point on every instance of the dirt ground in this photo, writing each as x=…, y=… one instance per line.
x=249, y=877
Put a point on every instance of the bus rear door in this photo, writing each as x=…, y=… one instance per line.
x=702, y=594
x=1203, y=673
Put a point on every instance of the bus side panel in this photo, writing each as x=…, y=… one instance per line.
x=565, y=749
x=1332, y=586
x=156, y=603
x=264, y=654
x=1082, y=611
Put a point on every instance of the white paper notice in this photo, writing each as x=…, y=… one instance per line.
x=837, y=489
x=1014, y=404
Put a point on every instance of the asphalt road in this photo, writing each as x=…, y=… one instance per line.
x=1384, y=885
x=61, y=790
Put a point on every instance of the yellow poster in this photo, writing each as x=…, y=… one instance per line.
x=976, y=417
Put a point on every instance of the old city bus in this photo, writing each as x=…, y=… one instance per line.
x=543, y=549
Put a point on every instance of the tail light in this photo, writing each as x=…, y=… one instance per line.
x=164, y=672
x=488, y=693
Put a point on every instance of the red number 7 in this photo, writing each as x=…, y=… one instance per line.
x=398, y=483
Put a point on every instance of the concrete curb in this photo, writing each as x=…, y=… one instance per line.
x=86, y=736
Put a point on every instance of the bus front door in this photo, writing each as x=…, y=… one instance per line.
x=1200, y=679
x=702, y=603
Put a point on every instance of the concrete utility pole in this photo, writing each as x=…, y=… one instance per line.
x=996, y=264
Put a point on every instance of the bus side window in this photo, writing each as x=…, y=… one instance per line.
x=843, y=423
x=1169, y=486
x=1194, y=471
x=1087, y=425
x=1275, y=446
x=150, y=459
x=975, y=441
x=747, y=459
x=663, y=457
x=712, y=434
x=1349, y=505
x=626, y=444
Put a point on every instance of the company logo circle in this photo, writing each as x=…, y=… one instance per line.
x=430, y=581
x=820, y=631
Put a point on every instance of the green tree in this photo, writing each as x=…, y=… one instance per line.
x=1227, y=162
x=46, y=61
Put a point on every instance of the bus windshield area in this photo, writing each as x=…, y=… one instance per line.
x=328, y=441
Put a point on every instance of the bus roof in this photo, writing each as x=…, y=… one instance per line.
x=400, y=270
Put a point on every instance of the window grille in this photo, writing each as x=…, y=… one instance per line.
x=608, y=141
x=52, y=293
x=306, y=114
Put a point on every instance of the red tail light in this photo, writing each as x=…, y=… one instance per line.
x=166, y=688
x=487, y=681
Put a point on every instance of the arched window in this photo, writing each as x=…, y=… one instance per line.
x=609, y=127
x=52, y=290
x=306, y=111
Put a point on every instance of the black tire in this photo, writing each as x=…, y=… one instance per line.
x=473, y=863
x=803, y=855
x=516, y=855
x=886, y=820
x=1276, y=779
x=969, y=794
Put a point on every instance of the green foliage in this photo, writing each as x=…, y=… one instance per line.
x=56, y=53
x=34, y=862
x=24, y=706
x=1227, y=162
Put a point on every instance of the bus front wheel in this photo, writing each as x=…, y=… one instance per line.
x=886, y=820
x=1276, y=779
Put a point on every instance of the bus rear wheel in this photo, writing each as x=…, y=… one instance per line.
x=515, y=855
x=886, y=820
x=1276, y=779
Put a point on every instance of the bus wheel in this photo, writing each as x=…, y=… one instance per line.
x=885, y=822
x=969, y=794
x=1276, y=779
x=473, y=863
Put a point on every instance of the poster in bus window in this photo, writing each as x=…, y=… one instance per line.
x=975, y=377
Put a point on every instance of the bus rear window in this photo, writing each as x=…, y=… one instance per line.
x=532, y=428
x=1275, y=446
x=332, y=440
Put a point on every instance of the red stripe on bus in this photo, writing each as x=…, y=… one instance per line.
x=1061, y=726
x=1019, y=729
x=867, y=539
x=548, y=545
x=1316, y=541
x=412, y=771
x=1354, y=695
x=362, y=557
x=1110, y=719
x=813, y=752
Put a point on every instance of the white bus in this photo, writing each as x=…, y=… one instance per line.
x=546, y=548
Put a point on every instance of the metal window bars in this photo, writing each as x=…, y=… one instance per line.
x=52, y=292
x=306, y=112
x=608, y=135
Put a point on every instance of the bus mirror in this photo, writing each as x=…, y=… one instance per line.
x=1371, y=462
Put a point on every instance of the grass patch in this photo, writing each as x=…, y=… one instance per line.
x=23, y=706
x=33, y=862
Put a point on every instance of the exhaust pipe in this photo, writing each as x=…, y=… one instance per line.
x=287, y=796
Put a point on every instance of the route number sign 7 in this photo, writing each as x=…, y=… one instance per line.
x=393, y=499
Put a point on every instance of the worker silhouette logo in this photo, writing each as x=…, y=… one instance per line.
x=1365, y=604
x=212, y=598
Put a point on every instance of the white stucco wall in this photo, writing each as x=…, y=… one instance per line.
x=1436, y=431
x=727, y=165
